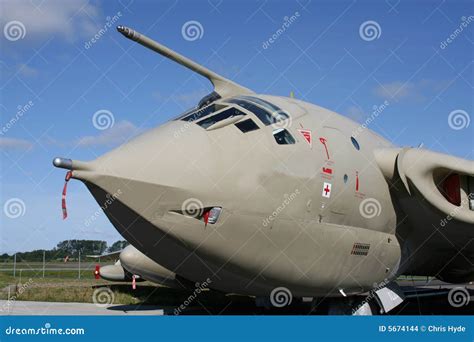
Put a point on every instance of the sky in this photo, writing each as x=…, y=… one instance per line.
x=72, y=86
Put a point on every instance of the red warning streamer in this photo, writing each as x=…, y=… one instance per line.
x=66, y=180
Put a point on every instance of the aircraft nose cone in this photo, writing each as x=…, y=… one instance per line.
x=62, y=163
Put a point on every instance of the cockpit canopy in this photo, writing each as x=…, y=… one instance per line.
x=240, y=106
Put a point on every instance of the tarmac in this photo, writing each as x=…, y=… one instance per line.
x=27, y=308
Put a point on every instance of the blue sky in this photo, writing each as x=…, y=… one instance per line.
x=53, y=71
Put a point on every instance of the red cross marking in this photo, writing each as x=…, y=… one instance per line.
x=326, y=190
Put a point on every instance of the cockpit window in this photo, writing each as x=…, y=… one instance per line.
x=265, y=111
x=283, y=137
x=228, y=113
x=246, y=125
x=261, y=113
x=202, y=112
x=265, y=104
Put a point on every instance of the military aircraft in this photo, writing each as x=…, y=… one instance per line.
x=270, y=196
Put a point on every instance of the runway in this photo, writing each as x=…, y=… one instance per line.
x=26, y=308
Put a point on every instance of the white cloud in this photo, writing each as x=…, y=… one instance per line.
x=69, y=19
x=115, y=135
x=396, y=90
x=15, y=144
x=27, y=71
x=417, y=91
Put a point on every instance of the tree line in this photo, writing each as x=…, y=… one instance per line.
x=67, y=250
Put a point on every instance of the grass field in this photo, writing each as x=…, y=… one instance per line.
x=64, y=286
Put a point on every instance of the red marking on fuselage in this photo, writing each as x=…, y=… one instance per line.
x=327, y=170
x=323, y=141
x=327, y=190
x=306, y=133
x=357, y=181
